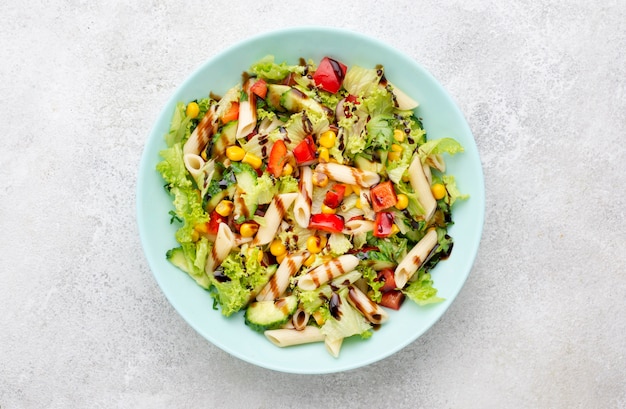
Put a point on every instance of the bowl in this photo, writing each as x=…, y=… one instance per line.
x=441, y=118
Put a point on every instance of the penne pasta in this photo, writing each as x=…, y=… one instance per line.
x=358, y=226
x=333, y=346
x=300, y=319
x=402, y=100
x=194, y=164
x=302, y=205
x=420, y=185
x=279, y=282
x=273, y=217
x=348, y=174
x=370, y=310
x=365, y=201
x=202, y=134
x=224, y=243
x=415, y=258
x=289, y=337
x=247, y=112
x=327, y=271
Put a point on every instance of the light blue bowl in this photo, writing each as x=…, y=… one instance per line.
x=441, y=118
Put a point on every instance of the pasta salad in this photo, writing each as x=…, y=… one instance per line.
x=309, y=197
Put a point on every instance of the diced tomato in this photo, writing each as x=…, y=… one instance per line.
x=353, y=99
x=259, y=88
x=305, y=151
x=383, y=196
x=335, y=195
x=214, y=222
x=383, y=224
x=392, y=299
x=231, y=114
x=332, y=223
x=329, y=75
x=277, y=159
x=387, y=276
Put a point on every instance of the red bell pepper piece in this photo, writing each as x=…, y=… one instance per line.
x=383, y=196
x=277, y=159
x=387, y=276
x=305, y=151
x=335, y=195
x=392, y=299
x=383, y=224
x=259, y=88
x=332, y=223
x=329, y=75
x=214, y=222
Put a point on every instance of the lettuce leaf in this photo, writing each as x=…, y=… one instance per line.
x=350, y=323
x=360, y=81
x=438, y=147
x=267, y=69
x=421, y=291
x=454, y=193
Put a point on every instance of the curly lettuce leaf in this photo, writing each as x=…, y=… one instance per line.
x=454, y=193
x=360, y=81
x=268, y=69
x=421, y=291
x=351, y=321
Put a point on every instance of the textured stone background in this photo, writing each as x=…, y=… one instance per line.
x=541, y=322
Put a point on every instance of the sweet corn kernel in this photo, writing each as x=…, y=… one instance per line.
x=323, y=155
x=201, y=227
x=259, y=255
x=405, y=177
x=225, y=208
x=287, y=169
x=281, y=257
x=357, y=204
x=348, y=190
x=320, y=179
x=277, y=248
x=252, y=160
x=235, y=153
x=310, y=260
x=394, y=156
x=319, y=317
x=328, y=210
x=315, y=244
x=192, y=110
x=394, y=229
x=398, y=135
x=439, y=191
x=195, y=236
x=327, y=139
x=248, y=229
x=403, y=201
x=203, y=154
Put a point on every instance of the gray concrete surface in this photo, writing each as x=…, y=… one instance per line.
x=541, y=320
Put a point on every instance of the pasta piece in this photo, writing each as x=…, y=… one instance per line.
x=415, y=258
x=202, y=134
x=224, y=243
x=420, y=185
x=348, y=174
x=401, y=100
x=327, y=271
x=370, y=310
x=302, y=206
x=300, y=319
x=366, y=204
x=247, y=112
x=288, y=337
x=333, y=346
x=273, y=217
x=358, y=226
x=194, y=164
x=279, y=282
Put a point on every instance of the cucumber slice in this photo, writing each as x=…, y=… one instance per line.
x=264, y=315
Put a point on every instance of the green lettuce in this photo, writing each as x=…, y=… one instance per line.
x=360, y=81
x=421, y=291
x=454, y=193
x=351, y=321
x=180, y=127
x=267, y=69
x=339, y=244
x=438, y=147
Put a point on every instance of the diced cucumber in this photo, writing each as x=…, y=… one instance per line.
x=264, y=315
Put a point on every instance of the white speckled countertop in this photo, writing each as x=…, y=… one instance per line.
x=541, y=322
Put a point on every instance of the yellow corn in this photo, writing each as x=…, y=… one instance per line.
x=259, y=256
x=235, y=153
x=252, y=160
x=201, y=227
x=358, y=203
x=398, y=135
x=320, y=179
x=248, y=229
x=281, y=257
x=287, y=169
x=224, y=208
x=328, y=210
x=277, y=248
x=195, y=236
x=327, y=139
x=323, y=155
x=403, y=201
x=396, y=148
x=439, y=191
x=310, y=260
x=394, y=156
x=203, y=154
x=315, y=244
x=356, y=189
x=394, y=229
x=192, y=110
x=348, y=190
